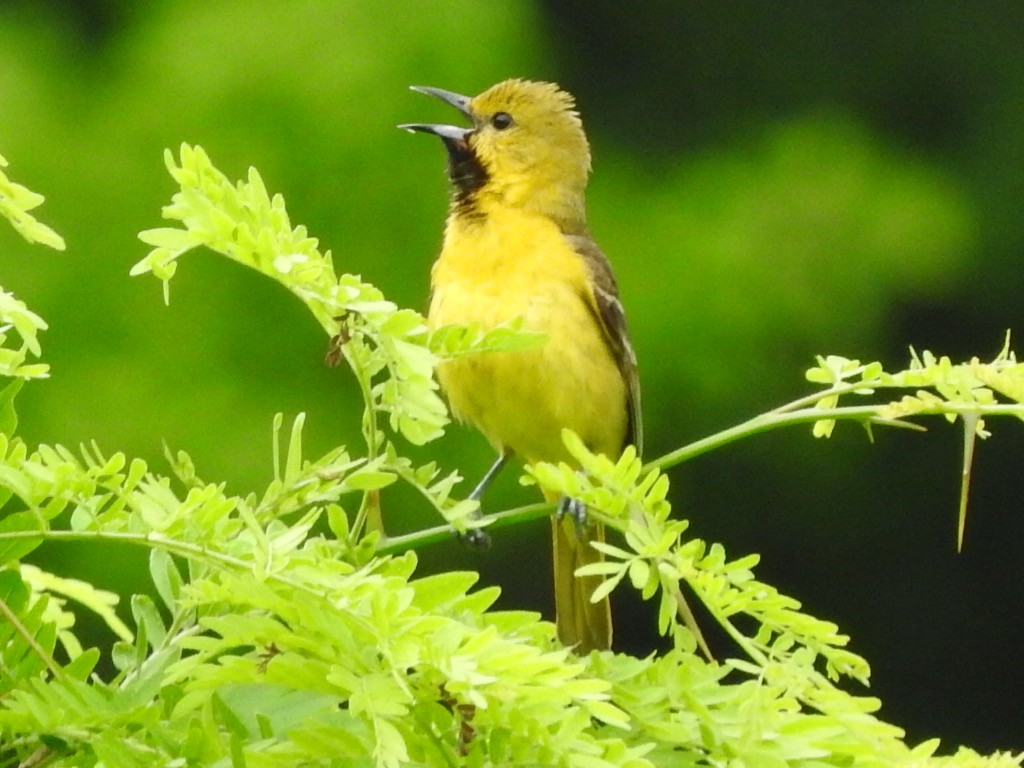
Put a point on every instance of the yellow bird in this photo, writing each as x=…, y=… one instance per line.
x=517, y=245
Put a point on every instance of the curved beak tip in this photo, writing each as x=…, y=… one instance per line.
x=451, y=98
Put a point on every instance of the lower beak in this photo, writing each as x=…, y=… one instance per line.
x=446, y=132
x=454, y=138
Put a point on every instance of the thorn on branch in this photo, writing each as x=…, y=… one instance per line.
x=465, y=714
x=269, y=652
x=339, y=340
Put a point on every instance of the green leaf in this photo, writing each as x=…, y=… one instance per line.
x=146, y=615
x=337, y=521
x=17, y=548
x=13, y=592
x=15, y=203
x=605, y=588
x=293, y=460
x=123, y=655
x=171, y=238
x=607, y=713
x=271, y=709
x=99, y=601
x=27, y=324
x=8, y=417
x=227, y=717
x=369, y=480
x=639, y=573
x=82, y=665
x=442, y=589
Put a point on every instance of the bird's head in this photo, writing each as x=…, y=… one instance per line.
x=525, y=148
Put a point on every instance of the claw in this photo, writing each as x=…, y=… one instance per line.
x=577, y=510
x=475, y=538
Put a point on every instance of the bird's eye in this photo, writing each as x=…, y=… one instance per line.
x=501, y=120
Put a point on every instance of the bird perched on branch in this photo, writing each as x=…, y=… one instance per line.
x=516, y=245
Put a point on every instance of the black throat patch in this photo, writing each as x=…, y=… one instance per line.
x=467, y=174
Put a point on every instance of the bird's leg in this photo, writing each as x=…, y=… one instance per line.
x=477, y=537
x=492, y=473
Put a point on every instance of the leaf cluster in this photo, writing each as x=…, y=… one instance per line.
x=15, y=203
x=283, y=627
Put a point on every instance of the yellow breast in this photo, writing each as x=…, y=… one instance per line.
x=508, y=265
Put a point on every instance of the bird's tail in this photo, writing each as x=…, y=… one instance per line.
x=580, y=623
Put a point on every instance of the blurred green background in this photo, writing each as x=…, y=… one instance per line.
x=772, y=181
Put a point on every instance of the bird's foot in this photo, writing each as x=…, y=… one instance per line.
x=576, y=509
x=475, y=538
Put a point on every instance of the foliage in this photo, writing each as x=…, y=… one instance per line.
x=264, y=639
x=15, y=203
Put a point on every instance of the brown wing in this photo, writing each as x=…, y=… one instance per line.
x=612, y=318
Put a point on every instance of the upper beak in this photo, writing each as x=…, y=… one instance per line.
x=458, y=101
x=448, y=133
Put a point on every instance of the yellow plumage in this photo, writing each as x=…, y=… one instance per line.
x=520, y=265
x=516, y=245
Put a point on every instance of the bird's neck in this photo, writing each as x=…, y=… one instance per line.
x=563, y=205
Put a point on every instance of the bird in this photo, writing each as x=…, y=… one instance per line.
x=517, y=246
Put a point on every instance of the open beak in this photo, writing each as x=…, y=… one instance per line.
x=456, y=100
x=453, y=136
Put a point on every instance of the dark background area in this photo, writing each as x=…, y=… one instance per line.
x=772, y=182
